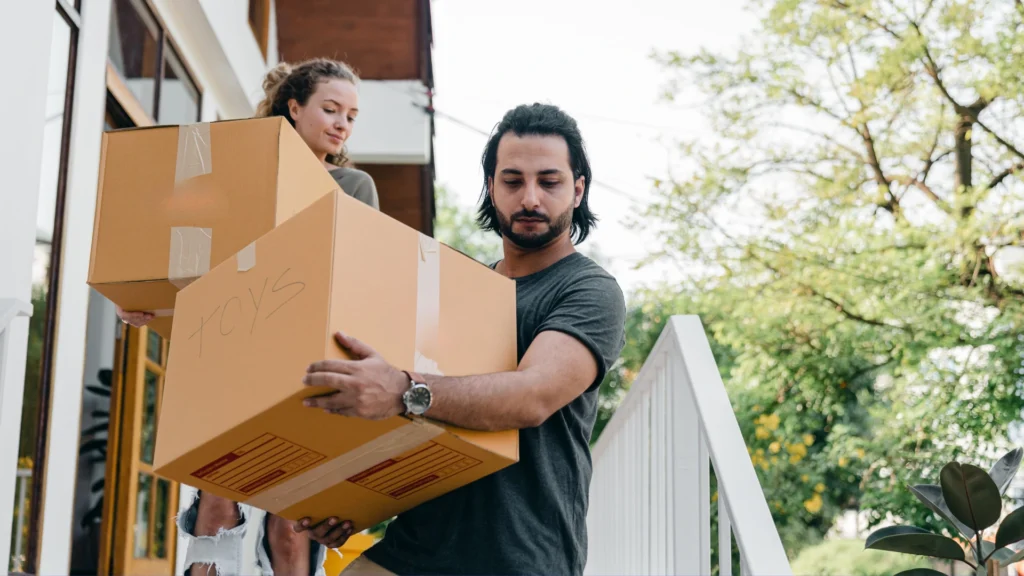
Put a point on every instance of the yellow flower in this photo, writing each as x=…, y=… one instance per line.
x=770, y=421
x=764, y=464
x=805, y=478
x=775, y=460
x=860, y=453
x=808, y=439
x=795, y=458
x=813, y=505
x=757, y=408
x=843, y=461
x=714, y=497
x=774, y=447
x=797, y=449
x=762, y=433
x=819, y=487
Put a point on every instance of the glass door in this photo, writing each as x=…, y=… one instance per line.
x=139, y=533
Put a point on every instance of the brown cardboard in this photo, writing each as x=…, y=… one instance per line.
x=247, y=177
x=231, y=418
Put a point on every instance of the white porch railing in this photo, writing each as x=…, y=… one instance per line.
x=650, y=497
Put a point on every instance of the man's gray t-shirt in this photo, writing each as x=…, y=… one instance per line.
x=529, y=518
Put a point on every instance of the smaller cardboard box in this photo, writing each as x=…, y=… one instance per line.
x=175, y=200
x=231, y=418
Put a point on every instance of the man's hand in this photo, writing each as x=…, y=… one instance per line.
x=367, y=386
x=329, y=532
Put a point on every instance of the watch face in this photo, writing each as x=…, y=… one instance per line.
x=418, y=399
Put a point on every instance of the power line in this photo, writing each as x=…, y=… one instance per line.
x=438, y=114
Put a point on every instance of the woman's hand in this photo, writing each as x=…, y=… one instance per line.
x=137, y=319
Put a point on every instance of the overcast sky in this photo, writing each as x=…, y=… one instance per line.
x=592, y=58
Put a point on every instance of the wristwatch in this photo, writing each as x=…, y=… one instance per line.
x=418, y=397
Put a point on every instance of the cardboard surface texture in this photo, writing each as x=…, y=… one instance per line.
x=231, y=417
x=174, y=201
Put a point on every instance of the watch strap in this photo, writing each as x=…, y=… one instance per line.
x=415, y=377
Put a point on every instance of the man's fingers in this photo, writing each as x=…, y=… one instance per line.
x=357, y=348
x=334, y=380
x=335, y=366
x=336, y=402
x=301, y=525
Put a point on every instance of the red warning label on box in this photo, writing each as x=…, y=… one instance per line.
x=258, y=465
x=414, y=470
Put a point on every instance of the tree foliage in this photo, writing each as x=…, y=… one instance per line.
x=850, y=228
x=455, y=225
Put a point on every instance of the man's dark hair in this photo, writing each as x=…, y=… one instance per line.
x=540, y=120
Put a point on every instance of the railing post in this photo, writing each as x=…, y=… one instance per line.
x=704, y=500
x=685, y=463
x=651, y=505
x=724, y=536
x=646, y=472
x=659, y=455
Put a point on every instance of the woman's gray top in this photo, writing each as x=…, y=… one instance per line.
x=357, y=184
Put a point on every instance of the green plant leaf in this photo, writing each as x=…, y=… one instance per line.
x=99, y=390
x=921, y=572
x=931, y=496
x=913, y=540
x=1005, y=469
x=96, y=428
x=971, y=495
x=891, y=531
x=1011, y=529
x=97, y=445
x=1002, y=554
x=1012, y=559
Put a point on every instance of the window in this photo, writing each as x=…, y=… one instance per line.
x=134, y=49
x=259, y=21
x=143, y=55
x=179, y=98
x=45, y=283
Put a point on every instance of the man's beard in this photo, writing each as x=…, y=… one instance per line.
x=533, y=241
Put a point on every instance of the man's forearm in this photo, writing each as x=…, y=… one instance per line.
x=500, y=401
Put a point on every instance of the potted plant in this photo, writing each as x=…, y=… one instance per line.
x=971, y=500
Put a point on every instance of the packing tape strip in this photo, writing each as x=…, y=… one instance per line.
x=428, y=306
x=246, y=258
x=339, y=469
x=190, y=254
x=194, y=156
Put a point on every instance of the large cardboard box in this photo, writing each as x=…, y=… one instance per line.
x=175, y=200
x=231, y=418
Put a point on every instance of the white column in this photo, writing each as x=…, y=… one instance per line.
x=69, y=353
x=25, y=39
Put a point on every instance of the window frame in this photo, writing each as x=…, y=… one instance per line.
x=37, y=487
x=117, y=86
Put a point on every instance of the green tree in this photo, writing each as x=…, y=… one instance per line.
x=851, y=219
x=456, y=226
